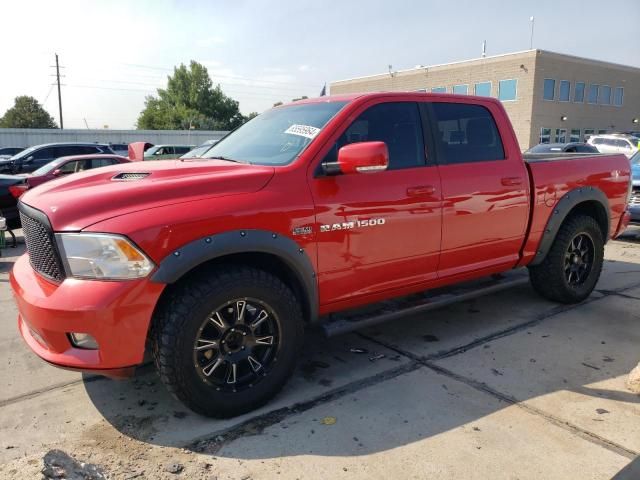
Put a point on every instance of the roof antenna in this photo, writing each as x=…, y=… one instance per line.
x=484, y=48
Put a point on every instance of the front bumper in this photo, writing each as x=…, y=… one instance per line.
x=116, y=314
x=635, y=214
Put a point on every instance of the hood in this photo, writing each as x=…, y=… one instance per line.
x=82, y=199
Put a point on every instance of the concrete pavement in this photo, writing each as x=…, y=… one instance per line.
x=507, y=386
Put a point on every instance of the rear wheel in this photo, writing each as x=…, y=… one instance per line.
x=573, y=265
x=226, y=342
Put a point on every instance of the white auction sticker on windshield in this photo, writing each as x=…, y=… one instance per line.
x=303, y=130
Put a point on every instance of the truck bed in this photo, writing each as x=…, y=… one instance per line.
x=553, y=176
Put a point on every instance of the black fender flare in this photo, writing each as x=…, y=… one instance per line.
x=560, y=212
x=184, y=259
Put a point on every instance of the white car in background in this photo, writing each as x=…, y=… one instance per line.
x=615, y=144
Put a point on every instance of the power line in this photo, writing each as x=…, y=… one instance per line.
x=48, y=93
x=212, y=75
x=150, y=90
x=226, y=85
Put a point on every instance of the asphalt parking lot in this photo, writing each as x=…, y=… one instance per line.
x=507, y=386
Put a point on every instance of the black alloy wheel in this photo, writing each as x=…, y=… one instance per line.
x=237, y=344
x=578, y=259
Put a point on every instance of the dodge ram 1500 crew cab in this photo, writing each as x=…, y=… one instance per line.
x=307, y=212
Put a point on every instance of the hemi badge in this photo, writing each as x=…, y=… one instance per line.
x=307, y=230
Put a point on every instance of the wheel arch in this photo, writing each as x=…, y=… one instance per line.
x=272, y=252
x=589, y=201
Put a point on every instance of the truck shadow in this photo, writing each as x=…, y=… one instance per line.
x=521, y=350
x=9, y=253
x=631, y=234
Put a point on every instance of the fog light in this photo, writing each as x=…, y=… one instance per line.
x=83, y=340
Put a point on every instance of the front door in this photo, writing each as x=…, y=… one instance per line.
x=379, y=231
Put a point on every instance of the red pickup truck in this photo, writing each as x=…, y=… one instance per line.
x=304, y=215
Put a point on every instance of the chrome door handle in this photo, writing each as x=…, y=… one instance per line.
x=511, y=181
x=421, y=190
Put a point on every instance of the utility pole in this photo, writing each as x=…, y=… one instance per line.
x=59, y=92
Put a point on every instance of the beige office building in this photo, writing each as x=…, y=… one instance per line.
x=550, y=97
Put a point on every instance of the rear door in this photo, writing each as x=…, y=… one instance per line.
x=484, y=188
x=74, y=166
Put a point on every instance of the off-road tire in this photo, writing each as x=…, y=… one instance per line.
x=179, y=317
x=549, y=279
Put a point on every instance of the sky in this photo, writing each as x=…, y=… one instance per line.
x=116, y=52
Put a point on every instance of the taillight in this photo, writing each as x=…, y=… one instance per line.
x=18, y=190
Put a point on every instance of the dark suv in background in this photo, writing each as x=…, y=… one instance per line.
x=7, y=152
x=35, y=157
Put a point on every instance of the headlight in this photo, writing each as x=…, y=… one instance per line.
x=102, y=256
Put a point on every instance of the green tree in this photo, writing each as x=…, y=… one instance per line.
x=27, y=113
x=190, y=101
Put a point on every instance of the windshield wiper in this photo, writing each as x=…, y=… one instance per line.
x=227, y=159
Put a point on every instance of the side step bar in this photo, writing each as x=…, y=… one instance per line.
x=347, y=321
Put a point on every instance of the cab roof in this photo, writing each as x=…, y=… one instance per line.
x=373, y=95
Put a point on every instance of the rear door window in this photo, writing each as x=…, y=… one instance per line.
x=465, y=133
x=610, y=142
x=102, y=162
x=88, y=150
x=44, y=153
x=585, y=149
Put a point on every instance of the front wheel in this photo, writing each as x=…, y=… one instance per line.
x=572, y=267
x=227, y=341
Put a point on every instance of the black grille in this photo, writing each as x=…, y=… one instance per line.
x=635, y=197
x=41, y=246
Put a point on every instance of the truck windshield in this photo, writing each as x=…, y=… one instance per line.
x=277, y=136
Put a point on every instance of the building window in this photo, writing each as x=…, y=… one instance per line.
x=439, y=90
x=593, y=93
x=545, y=135
x=561, y=135
x=461, y=89
x=578, y=94
x=575, y=135
x=565, y=91
x=602, y=131
x=618, y=96
x=483, y=89
x=549, y=89
x=605, y=95
x=588, y=132
x=507, y=90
